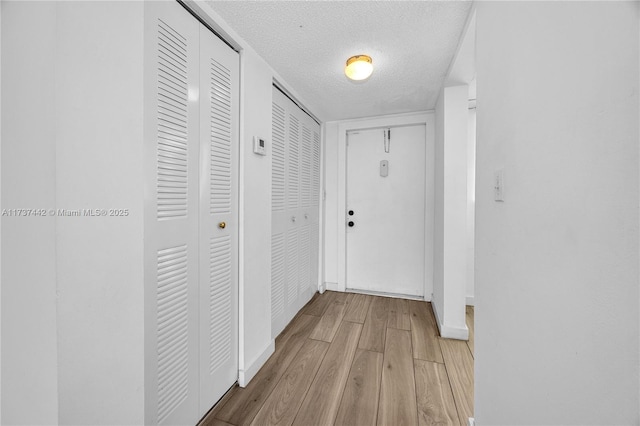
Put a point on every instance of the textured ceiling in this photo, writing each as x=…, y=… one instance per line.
x=308, y=42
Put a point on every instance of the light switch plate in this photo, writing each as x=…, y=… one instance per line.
x=384, y=168
x=259, y=146
x=498, y=185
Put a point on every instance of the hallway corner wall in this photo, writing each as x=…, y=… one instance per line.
x=255, y=209
x=451, y=236
x=29, y=318
x=557, y=264
x=471, y=208
x=99, y=136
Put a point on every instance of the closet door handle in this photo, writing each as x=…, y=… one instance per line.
x=222, y=225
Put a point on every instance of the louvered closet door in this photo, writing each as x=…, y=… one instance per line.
x=314, y=209
x=171, y=215
x=191, y=157
x=295, y=207
x=219, y=73
x=278, y=214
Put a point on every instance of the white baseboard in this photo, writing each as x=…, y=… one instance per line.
x=331, y=286
x=471, y=421
x=245, y=376
x=448, y=332
x=322, y=288
x=471, y=301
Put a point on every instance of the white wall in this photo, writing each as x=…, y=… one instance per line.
x=0, y=210
x=332, y=217
x=471, y=206
x=557, y=303
x=73, y=326
x=99, y=260
x=450, y=259
x=335, y=187
x=29, y=320
x=255, y=184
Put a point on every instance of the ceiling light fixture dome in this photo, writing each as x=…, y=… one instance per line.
x=359, y=67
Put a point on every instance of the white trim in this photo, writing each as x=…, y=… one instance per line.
x=423, y=118
x=332, y=286
x=321, y=212
x=245, y=376
x=471, y=301
x=447, y=332
x=471, y=421
x=386, y=294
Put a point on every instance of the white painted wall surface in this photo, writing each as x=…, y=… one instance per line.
x=450, y=267
x=29, y=323
x=557, y=303
x=471, y=206
x=99, y=142
x=0, y=210
x=255, y=196
x=332, y=217
x=335, y=210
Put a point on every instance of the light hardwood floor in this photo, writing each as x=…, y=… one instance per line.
x=354, y=359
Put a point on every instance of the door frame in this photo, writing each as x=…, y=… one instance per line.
x=424, y=118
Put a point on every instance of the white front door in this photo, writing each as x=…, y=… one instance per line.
x=385, y=215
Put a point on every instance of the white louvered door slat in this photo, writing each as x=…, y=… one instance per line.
x=278, y=177
x=293, y=163
x=219, y=91
x=278, y=277
x=304, y=261
x=306, y=171
x=292, y=267
x=171, y=215
x=315, y=194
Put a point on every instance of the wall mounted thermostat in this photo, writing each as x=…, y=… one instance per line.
x=259, y=146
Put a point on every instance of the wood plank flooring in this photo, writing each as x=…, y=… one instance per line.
x=354, y=359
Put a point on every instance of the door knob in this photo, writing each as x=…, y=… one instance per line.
x=293, y=218
x=351, y=224
x=222, y=225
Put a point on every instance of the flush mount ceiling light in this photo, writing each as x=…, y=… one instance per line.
x=359, y=67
